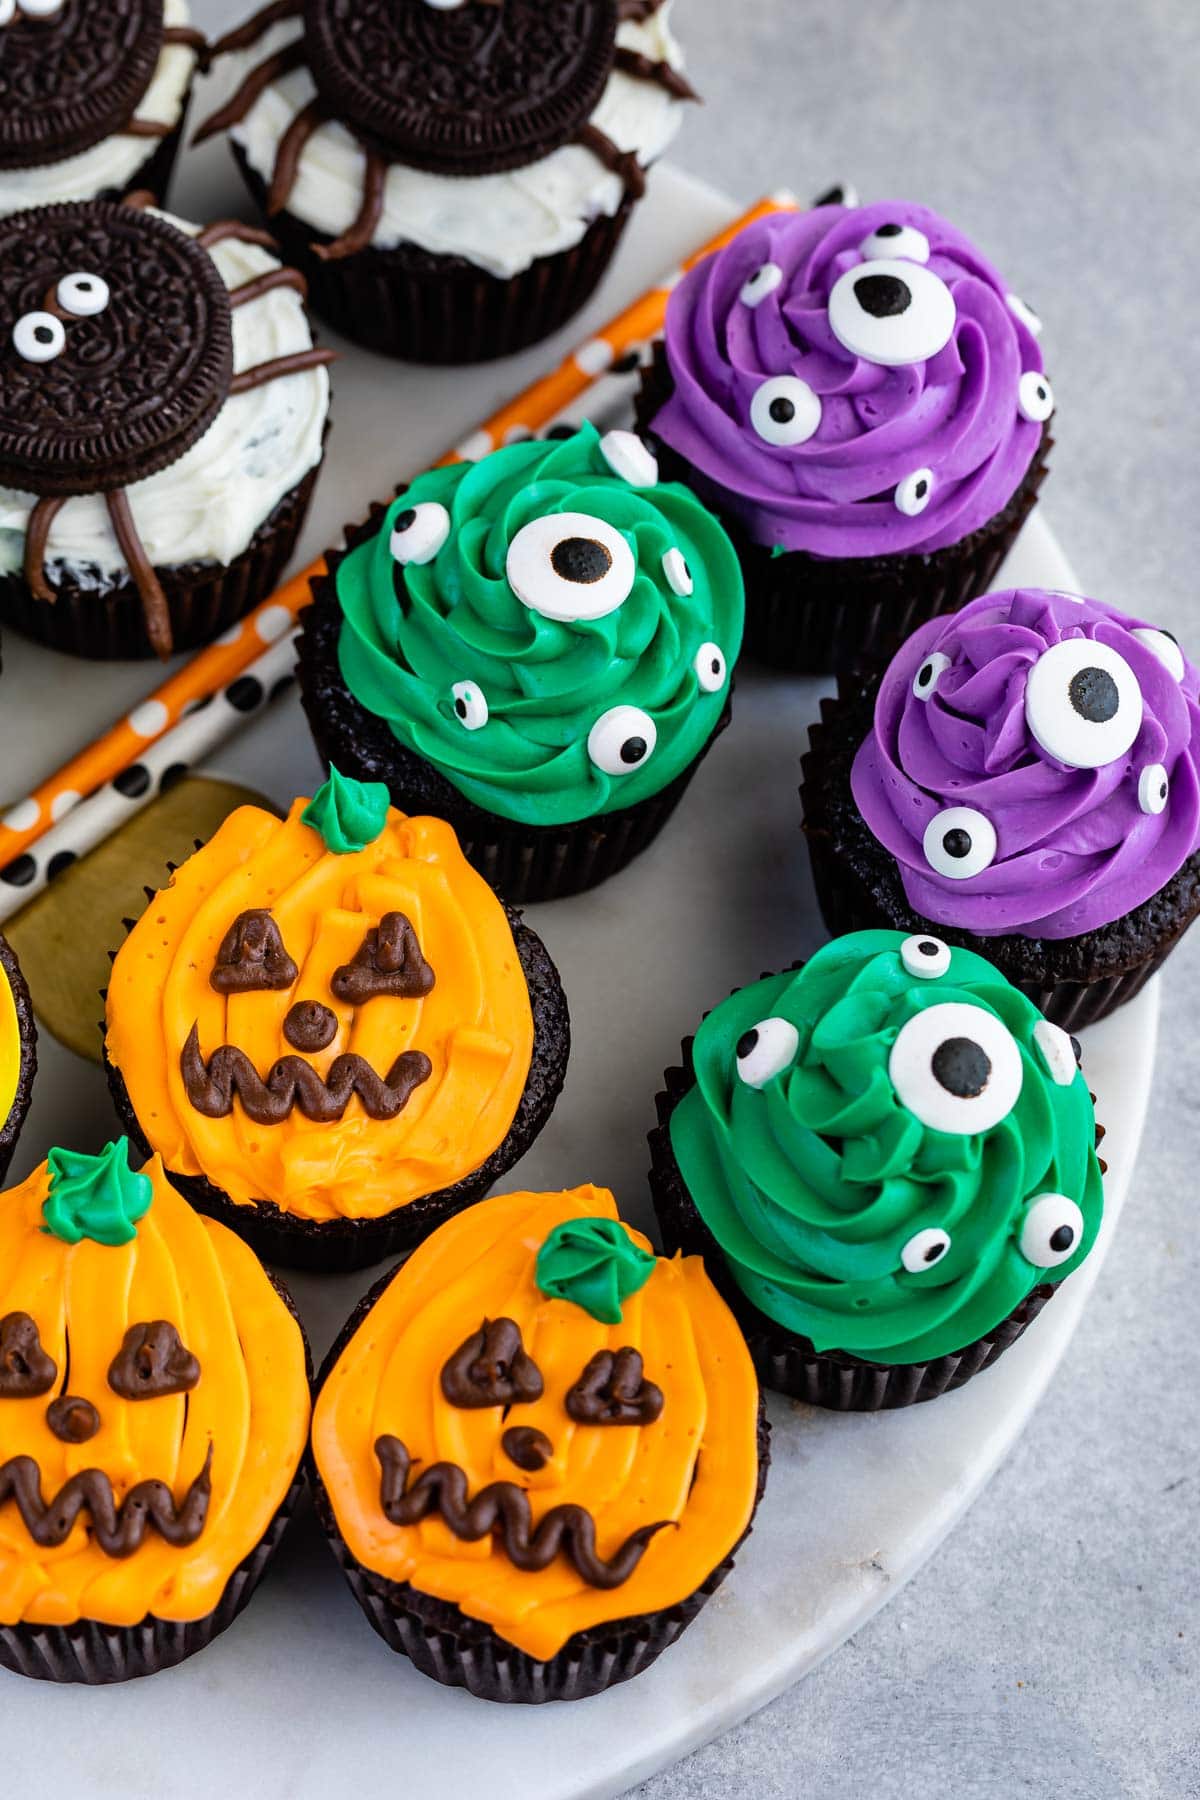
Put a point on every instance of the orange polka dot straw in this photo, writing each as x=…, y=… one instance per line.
x=222, y=661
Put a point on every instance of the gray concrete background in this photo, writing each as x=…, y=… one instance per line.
x=1051, y=1646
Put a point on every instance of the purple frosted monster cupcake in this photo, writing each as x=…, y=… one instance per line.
x=1023, y=780
x=859, y=396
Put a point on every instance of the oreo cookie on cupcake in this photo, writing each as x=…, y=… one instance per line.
x=861, y=398
x=18, y=1052
x=453, y=178
x=536, y=647
x=887, y=1158
x=1024, y=778
x=162, y=417
x=332, y=1031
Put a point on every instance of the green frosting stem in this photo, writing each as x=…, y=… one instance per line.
x=412, y=633
x=596, y=1264
x=98, y=1197
x=348, y=814
x=815, y=1182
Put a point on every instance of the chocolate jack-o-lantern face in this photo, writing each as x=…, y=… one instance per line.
x=542, y=1422
x=153, y=1397
x=327, y=1012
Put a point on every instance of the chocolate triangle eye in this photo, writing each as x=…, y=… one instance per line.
x=152, y=1361
x=252, y=956
x=613, y=1391
x=389, y=961
x=25, y=1368
x=492, y=1368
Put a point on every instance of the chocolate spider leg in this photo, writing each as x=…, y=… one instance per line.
x=636, y=12
x=269, y=70
x=256, y=26
x=140, y=199
x=220, y=229
x=294, y=364
x=622, y=162
x=155, y=612
x=645, y=68
x=358, y=235
x=145, y=128
x=193, y=39
x=258, y=285
x=36, y=533
x=287, y=157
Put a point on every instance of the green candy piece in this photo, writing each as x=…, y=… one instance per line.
x=98, y=1197
x=348, y=814
x=594, y=1263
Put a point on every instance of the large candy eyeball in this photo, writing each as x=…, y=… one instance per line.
x=957, y=1067
x=1154, y=788
x=1083, y=704
x=622, y=739
x=924, y=1249
x=1057, y=1051
x=914, y=493
x=892, y=240
x=766, y=1050
x=891, y=313
x=679, y=576
x=570, y=566
x=1162, y=645
x=38, y=337
x=926, y=678
x=470, y=706
x=925, y=956
x=959, y=842
x=709, y=664
x=419, y=532
x=785, y=411
x=82, y=295
x=764, y=281
x=1035, y=397
x=1051, y=1231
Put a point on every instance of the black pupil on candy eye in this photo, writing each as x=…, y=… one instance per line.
x=883, y=296
x=926, y=675
x=633, y=749
x=1063, y=1238
x=405, y=519
x=782, y=411
x=746, y=1043
x=957, y=842
x=927, y=947
x=582, y=560
x=888, y=231
x=961, y=1066
x=1093, y=694
x=43, y=334
x=921, y=489
x=935, y=1252
x=460, y=707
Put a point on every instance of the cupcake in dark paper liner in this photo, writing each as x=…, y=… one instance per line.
x=154, y=1406
x=887, y=1158
x=581, y=1416
x=1024, y=779
x=536, y=647
x=93, y=98
x=861, y=399
x=18, y=1052
x=332, y=1031
x=453, y=180
x=162, y=416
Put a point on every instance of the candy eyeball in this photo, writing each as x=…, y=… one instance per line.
x=38, y=337
x=470, y=706
x=709, y=664
x=1057, y=1052
x=764, y=281
x=914, y=493
x=1026, y=314
x=785, y=411
x=959, y=842
x=927, y=676
x=891, y=240
x=622, y=739
x=630, y=458
x=8, y=12
x=766, y=1050
x=1083, y=704
x=82, y=295
x=1051, y=1231
x=1035, y=397
x=1162, y=645
x=956, y=1067
x=924, y=956
x=41, y=9
x=1154, y=788
x=924, y=1249
x=891, y=312
x=419, y=532
x=678, y=575
x=569, y=566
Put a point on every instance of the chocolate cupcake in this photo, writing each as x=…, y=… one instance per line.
x=1024, y=778
x=332, y=1031
x=580, y=1416
x=162, y=417
x=536, y=647
x=92, y=98
x=887, y=1158
x=861, y=399
x=154, y=1404
x=452, y=178
x=18, y=1052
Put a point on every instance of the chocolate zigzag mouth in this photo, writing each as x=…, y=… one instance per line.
x=291, y=1082
x=119, y=1530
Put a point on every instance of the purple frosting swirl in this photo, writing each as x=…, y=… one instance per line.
x=1076, y=848
x=953, y=418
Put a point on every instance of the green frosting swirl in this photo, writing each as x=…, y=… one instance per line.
x=411, y=632
x=595, y=1263
x=814, y=1182
x=98, y=1197
x=348, y=814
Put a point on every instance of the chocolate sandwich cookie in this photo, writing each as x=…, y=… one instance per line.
x=18, y=1052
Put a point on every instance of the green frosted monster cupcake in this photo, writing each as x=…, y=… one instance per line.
x=888, y=1158
x=537, y=647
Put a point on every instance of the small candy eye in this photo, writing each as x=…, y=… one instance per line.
x=926, y=678
x=785, y=410
x=621, y=739
x=895, y=240
x=924, y=1249
x=1051, y=1231
x=570, y=566
x=1162, y=645
x=1026, y=314
x=709, y=664
x=891, y=313
x=1083, y=704
x=679, y=576
x=925, y=956
x=8, y=12
x=764, y=281
x=957, y=1067
x=914, y=493
x=41, y=9
x=470, y=705
x=38, y=337
x=419, y=532
x=82, y=295
x=630, y=458
x=1154, y=788
x=766, y=1050
x=959, y=842
x=1035, y=397
x=1058, y=1052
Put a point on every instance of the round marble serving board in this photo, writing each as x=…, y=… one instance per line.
x=300, y=1700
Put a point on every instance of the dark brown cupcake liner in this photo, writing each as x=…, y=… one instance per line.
x=815, y=615
x=1074, y=981
x=338, y=1246
x=522, y=862
x=10, y=1128
x=425, y=308
x=445, y=1643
